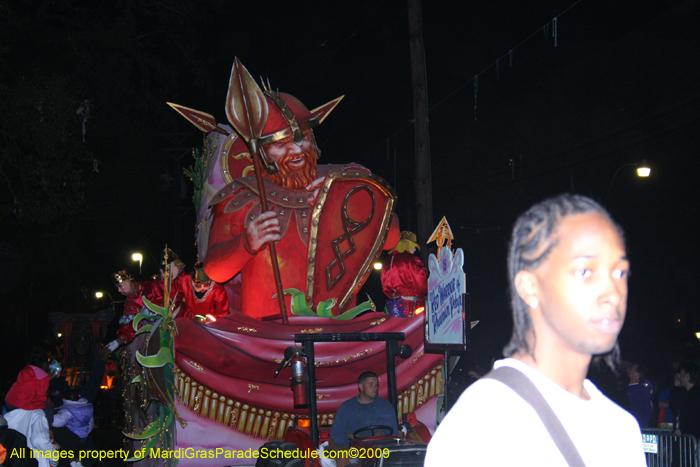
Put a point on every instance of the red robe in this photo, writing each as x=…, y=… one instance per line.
x=227, y=254
x=153, y=290
x=405, y=279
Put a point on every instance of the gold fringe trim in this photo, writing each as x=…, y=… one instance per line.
x=419, y=393
x=259, y=422
x=337, y=361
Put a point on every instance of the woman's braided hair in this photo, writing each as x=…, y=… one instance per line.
x=533, y=238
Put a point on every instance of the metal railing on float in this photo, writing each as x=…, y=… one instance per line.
x=663, y=449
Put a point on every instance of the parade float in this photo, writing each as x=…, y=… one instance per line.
x=209, y=389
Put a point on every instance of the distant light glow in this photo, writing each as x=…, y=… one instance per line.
x=643, y=171
x=377, y=265
x=697, y=335
x=137, y=257
x=109, y=380
x=99, y=294
x=61, y=335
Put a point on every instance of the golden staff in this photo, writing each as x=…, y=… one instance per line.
x=247, y=111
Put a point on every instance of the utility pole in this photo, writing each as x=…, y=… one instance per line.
x=423, y=181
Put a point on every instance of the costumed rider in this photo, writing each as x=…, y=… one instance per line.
x=405, y=279
x=240, y=231
x=177, y=267
x=204, y=299
x=365, y=410
x=134, y=293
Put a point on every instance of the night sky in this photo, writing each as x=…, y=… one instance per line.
x=622, y=85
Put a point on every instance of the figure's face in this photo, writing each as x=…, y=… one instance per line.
x=174, y=271
x=633, y=373
x=297, y=164
x=201, y=286
x=125, y=287
x=581, y=287
x=370, y=388
x=684, y=379
x=288, y=155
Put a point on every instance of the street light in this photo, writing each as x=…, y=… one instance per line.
x=100, y=294
x=643, y=170
x=138, y=257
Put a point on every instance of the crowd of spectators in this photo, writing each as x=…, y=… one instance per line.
x=44, y=420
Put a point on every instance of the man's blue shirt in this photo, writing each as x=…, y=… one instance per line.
x=353, y=415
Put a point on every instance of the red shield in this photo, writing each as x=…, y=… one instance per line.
x=349, y=227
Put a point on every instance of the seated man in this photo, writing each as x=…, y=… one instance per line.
x=366, y=409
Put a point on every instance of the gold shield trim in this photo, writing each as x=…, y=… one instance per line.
x=224, y=155
x=376, y=249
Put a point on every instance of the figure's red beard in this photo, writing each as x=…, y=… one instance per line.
x=292, y=179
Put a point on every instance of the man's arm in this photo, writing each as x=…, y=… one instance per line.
x=126, y=333
x=676, y=397
x=339, y=431
x=153, y=290
x=90, y=388
x=61, y=418
x=388, y=417
x=220, y=301
x=230, y=248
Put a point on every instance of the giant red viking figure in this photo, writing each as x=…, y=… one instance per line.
x=304, y=208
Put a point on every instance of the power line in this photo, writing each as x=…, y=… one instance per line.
x=458, y=88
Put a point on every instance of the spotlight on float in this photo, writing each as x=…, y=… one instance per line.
x=377, y=265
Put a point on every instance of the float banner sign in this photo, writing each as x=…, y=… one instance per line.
x=446, y=292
